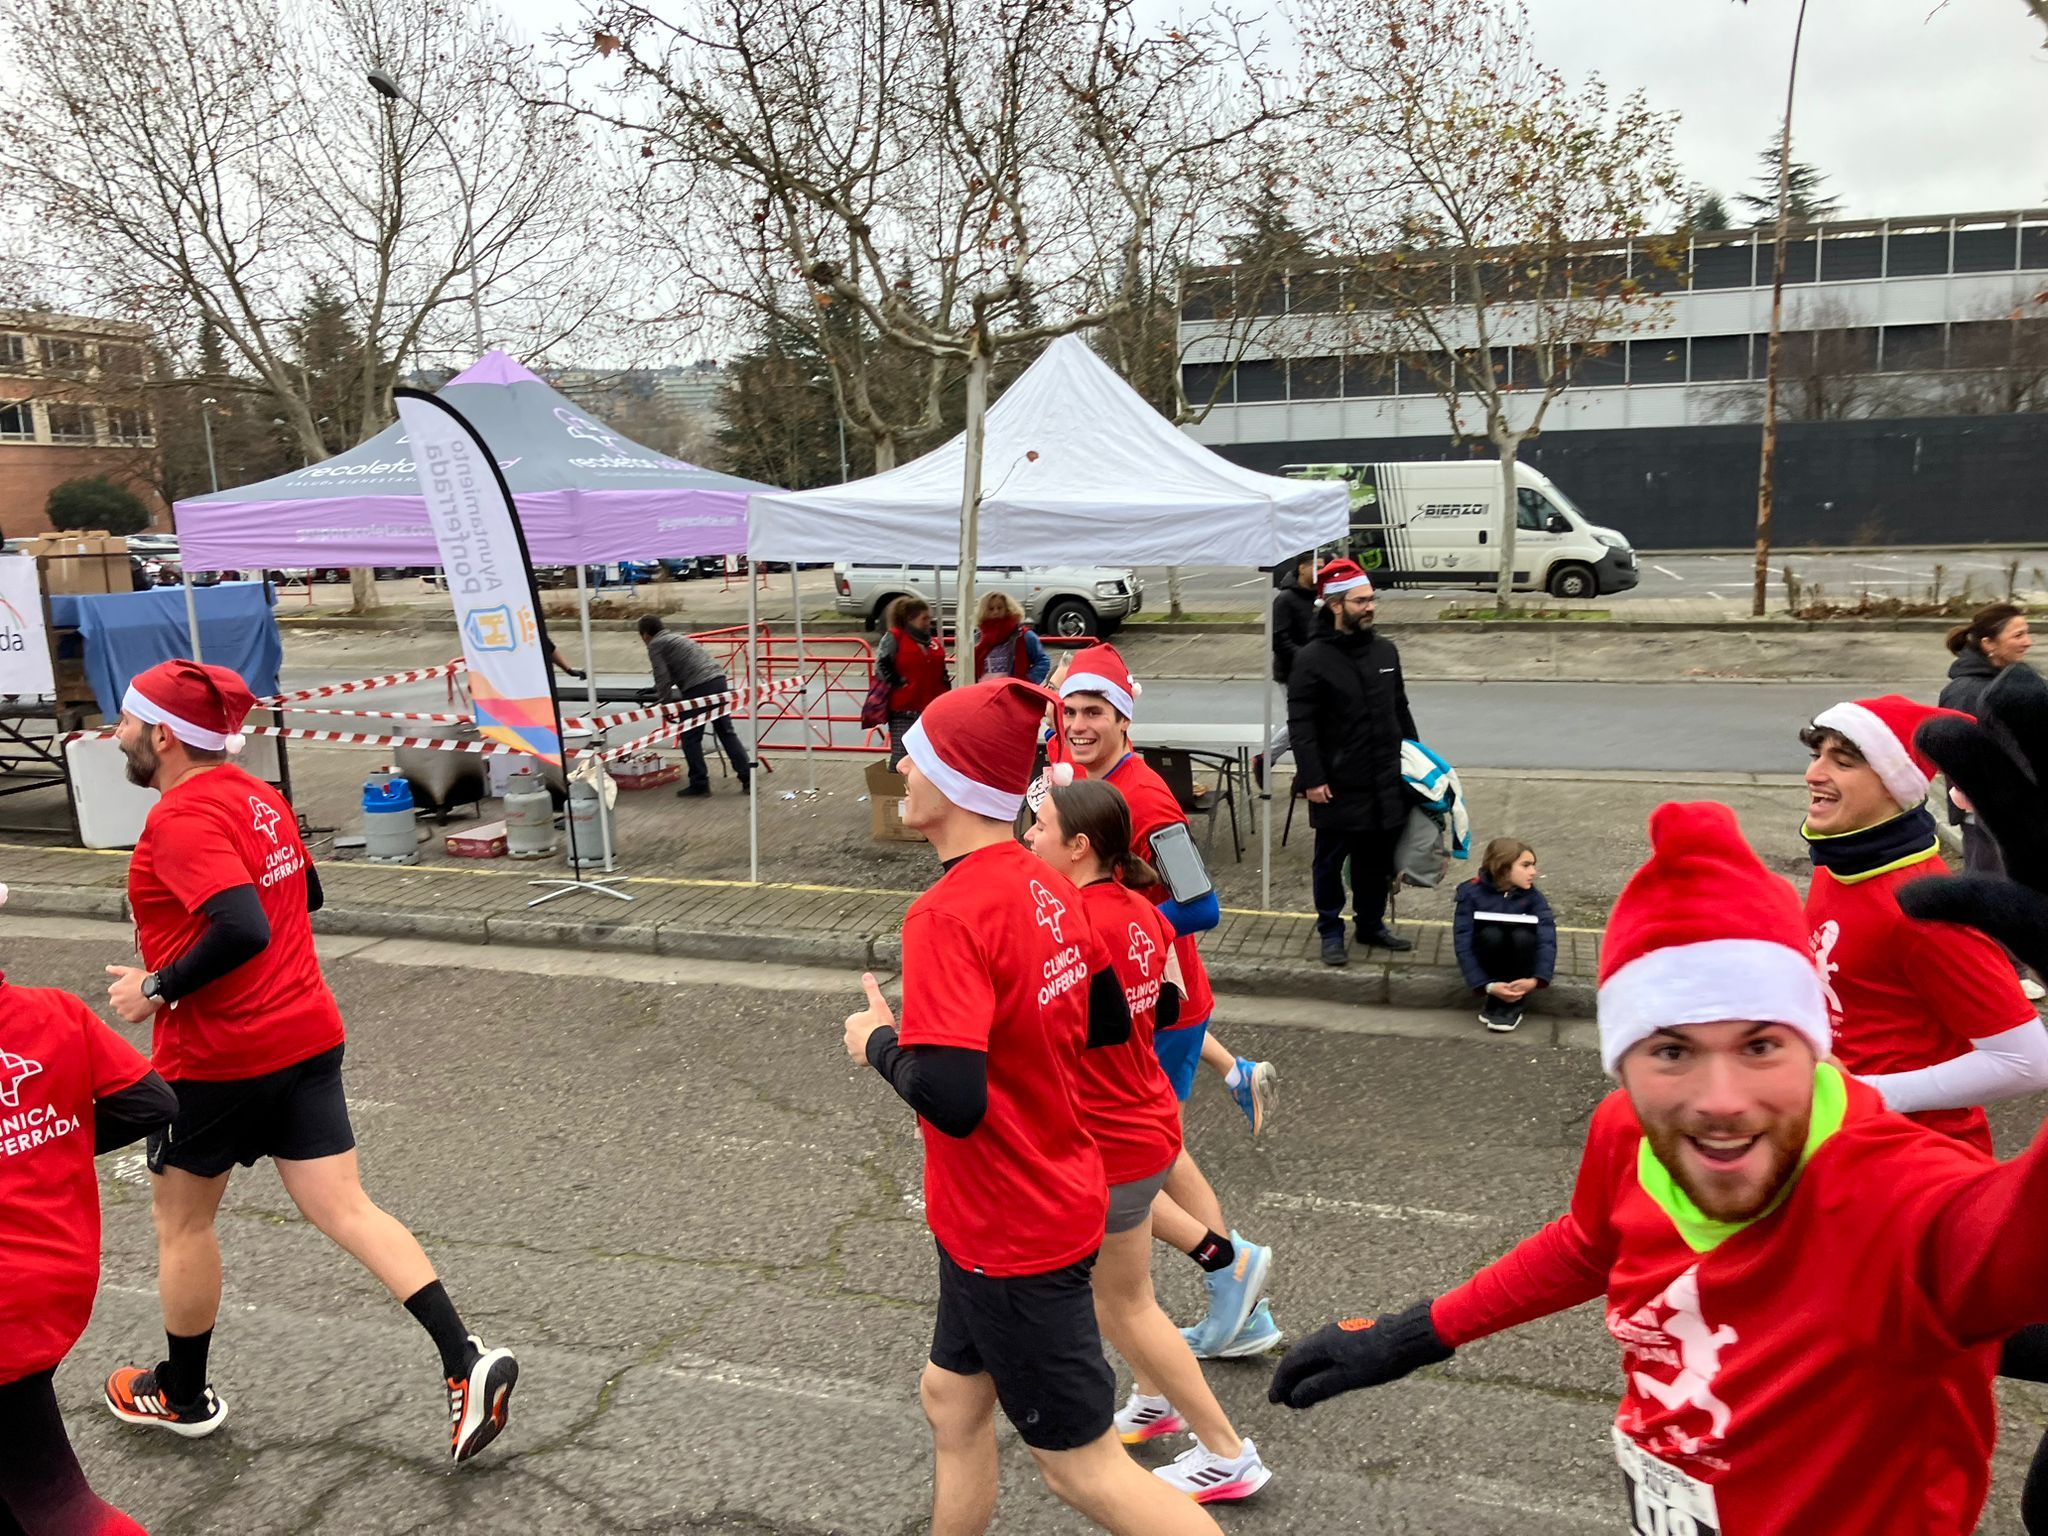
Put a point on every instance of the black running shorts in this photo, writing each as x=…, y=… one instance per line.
x=297, y=1114
x=1035, y=1335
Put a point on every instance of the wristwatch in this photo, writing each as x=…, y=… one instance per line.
x=152, y=986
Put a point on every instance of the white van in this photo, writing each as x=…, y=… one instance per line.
x=1439, y=525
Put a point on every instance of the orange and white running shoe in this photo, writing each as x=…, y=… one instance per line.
x=134, y=1397
x=477, y=1403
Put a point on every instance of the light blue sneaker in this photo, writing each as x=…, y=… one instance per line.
x=1260, y=1335
x=1254, y=1092
x=1233, y=1293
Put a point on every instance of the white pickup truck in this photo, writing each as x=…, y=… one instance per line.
x=1065, y=600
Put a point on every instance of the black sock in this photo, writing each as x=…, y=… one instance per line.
x=434, y=1312
x=1214, y=1252
x=182, y=1379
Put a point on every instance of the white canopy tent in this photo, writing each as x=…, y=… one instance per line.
x=1075, y=467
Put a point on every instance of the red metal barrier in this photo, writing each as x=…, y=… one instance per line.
x=837, y=669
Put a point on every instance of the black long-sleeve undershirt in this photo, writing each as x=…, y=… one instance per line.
x=1109, y=1011
x=237, y=932
x=128, y=1114
x=947, y=1084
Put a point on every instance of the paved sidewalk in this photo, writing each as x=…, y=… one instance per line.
x=1270, y=953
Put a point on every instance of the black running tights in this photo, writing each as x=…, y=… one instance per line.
x=2025, y=1358
x=42, y=1488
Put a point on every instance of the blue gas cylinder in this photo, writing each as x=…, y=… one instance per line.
x=388, y=834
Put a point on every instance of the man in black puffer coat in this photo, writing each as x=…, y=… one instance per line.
x=1347, y=712
x=1294, y=620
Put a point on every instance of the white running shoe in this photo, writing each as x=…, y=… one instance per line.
x=1146, y=1418
x=1208, y=1478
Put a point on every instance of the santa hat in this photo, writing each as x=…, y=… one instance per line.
x=1341, y=576
x=1883, y=731
x=978, y=745
x=1099, y=669
x=202, y=706
x=1704, y=934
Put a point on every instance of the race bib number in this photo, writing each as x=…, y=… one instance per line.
x=1663, y=1501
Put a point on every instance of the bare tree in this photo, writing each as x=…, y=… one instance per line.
x=205, y=163
x=958, y=174
x=2000, y=363
x=1495, y=215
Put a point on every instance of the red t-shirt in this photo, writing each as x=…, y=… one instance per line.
x=1130, y=1108
x=1904, y=994
x=56, y=1057
x=1825, y=1368
x=996, y=958
x=1152, y=807
x=217, y=830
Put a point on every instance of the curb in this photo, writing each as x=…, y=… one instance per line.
x=1364, y=981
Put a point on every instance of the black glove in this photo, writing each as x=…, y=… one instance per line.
x=2000, y=763
x=1358, y=1352
x=578, y=675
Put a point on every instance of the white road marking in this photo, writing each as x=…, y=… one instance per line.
x=1272, y=1200
x=766, y=1378
x=1255, y=581
x=129, y=1168
x=1668, y=572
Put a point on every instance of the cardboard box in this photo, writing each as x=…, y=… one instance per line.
x=885, y=806
x=486, y=840
x=644, y=771
x=81, y=563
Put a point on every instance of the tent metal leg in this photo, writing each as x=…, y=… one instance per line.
x=577, y=882
x=1265, y=790
x=192, y=618
x=753, y=725
x=803, y=674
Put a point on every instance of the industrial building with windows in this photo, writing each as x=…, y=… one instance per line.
x=1914, y=385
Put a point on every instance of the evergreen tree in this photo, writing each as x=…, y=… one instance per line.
x=1804, y=199
x=1706, y=211
x=779, y=422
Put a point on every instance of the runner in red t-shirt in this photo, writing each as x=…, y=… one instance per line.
x=1930, y=1015
x=1083, y=830
x=69, y=1088
x=1097, y=695
x=1004, y=986
x=1808, y=1291
x=249, y=1036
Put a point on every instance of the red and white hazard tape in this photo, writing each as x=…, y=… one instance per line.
x=388, y=714
x=732, y=698
x=364, y=685
x=719, y=704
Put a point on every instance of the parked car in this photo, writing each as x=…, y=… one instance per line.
x=1068, y=601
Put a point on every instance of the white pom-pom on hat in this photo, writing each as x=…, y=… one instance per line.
x=3, y=895
x=1061, y=774
x=236, y=741
x=1137, y=689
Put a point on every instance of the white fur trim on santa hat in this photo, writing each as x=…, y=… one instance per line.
x=1089, y=682
x=968, y=794
x=1712, y=982
x=1061, y=774
x=1880, y=747
x=1345, y=584
x=144, y=708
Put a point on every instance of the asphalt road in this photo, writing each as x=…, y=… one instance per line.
x=699, y=1226
x=1723, y=577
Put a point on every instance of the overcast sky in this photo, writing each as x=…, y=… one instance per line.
x=1906, y=112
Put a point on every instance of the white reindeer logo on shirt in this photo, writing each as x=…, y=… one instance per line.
x=14, y=1071
x=1825, y=938
x=1142, y=949
x=264, y=818
x=1699, y=1358
x=1051, y=911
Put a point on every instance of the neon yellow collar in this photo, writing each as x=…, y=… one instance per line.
x=1702, y=1233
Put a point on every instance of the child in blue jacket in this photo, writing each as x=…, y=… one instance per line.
x=1506, y=936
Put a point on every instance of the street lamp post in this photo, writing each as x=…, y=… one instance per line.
x=185, y=571
x=384, y=85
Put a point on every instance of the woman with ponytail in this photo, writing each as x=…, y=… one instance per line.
x=1083, y=831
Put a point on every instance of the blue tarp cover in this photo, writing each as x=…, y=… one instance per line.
x=130, y=632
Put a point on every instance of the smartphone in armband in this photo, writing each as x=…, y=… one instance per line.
x=1179, y=863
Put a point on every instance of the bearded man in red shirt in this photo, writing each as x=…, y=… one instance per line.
x=250, y=1039
x=1809, y=1291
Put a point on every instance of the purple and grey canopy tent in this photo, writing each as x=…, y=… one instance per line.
x=585, y=494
